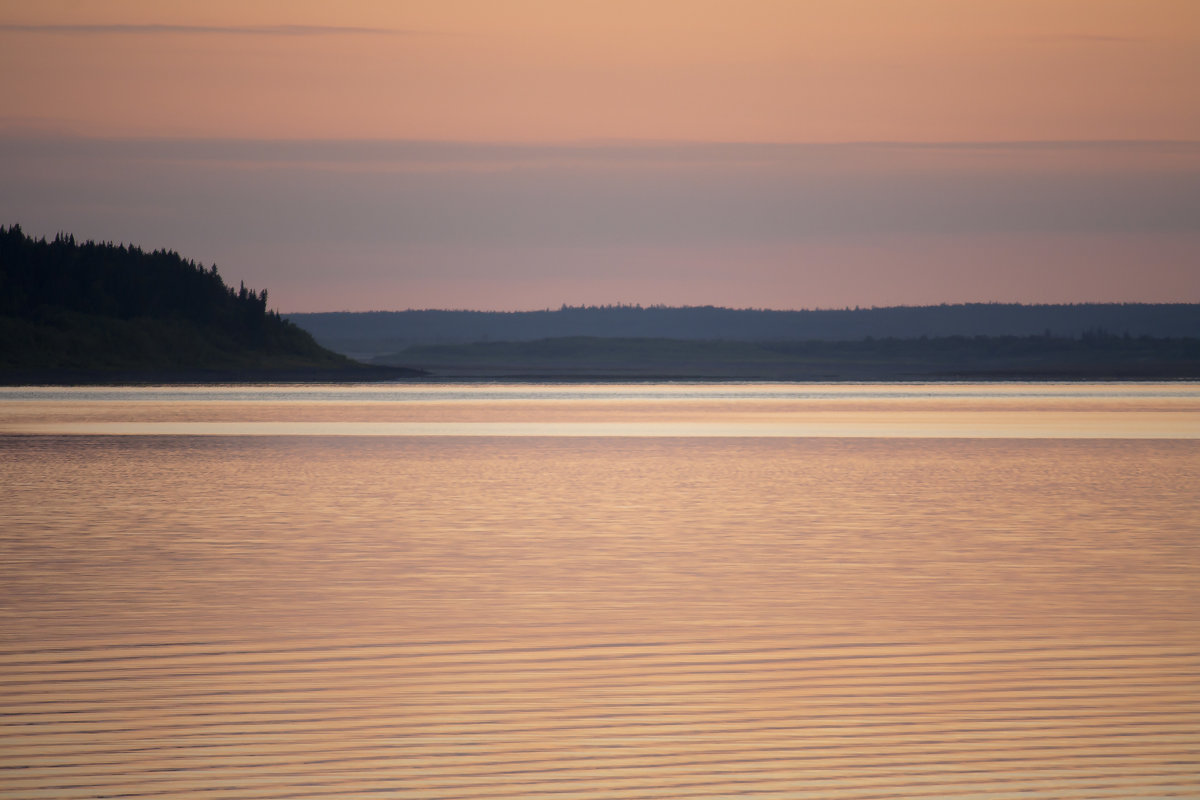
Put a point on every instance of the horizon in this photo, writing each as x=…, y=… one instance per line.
x=605, y=306
x=660, y=307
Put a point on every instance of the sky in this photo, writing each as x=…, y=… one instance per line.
x=524, y=154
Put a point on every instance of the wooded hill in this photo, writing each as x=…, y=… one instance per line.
x=100, y=307
x=375, y=333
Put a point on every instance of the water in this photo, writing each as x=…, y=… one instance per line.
x=511, y=591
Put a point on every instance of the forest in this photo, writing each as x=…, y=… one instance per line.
x=98, y=306
x=375, y=333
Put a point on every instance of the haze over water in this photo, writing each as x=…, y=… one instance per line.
x=594, y=591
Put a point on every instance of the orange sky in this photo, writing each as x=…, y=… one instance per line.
x=163, y=124
x=546, y=70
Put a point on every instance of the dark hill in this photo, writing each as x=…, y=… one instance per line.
x=90, y=310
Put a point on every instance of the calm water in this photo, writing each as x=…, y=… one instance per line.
x=653, y=591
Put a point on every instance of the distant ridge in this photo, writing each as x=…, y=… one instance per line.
x=373, y=333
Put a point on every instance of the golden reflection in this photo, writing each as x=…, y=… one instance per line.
x=954, y=410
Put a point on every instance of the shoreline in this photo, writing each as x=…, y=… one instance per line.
x=142, y=377
x=68, y=378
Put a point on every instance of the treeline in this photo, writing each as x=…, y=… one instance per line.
x=378, y=332
x=102, y=305
x=1093, y=356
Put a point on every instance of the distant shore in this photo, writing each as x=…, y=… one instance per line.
x=66, y=378
x=1104, y=358
x=130, y=377
x=1096, y=357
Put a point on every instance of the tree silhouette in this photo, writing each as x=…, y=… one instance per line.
x=62, y=302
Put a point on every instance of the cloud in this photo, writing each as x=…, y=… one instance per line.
x=1091, y=38
x=423, y=156
x=519, y=226
x=696, y=195
x=247, y=30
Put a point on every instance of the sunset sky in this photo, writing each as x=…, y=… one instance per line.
x=518, y=155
